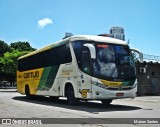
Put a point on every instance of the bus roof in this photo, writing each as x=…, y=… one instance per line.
x=79, y=37
x=98, y=39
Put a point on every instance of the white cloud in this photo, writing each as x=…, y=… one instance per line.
x=43, y=22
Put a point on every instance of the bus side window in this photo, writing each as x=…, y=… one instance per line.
x=86, y=67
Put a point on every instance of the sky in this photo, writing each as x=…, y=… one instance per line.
x=43, y=22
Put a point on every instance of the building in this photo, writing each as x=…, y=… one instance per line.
x=117, y=32
x=148, y=78
x=147, y=72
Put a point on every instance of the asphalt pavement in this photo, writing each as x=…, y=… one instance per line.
x=141, y=98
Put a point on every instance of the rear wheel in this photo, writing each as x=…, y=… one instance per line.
x=70, y=96
x=106, y=101
x=27, y=92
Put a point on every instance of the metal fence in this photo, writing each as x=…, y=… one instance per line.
x=151, y=57
x=8, y=84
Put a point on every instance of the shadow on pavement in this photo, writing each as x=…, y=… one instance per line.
x=91, y=107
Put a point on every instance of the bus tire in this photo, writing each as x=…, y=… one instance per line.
x=106, y=101
x=53, y=98
x=70, y=95
x=27, y=92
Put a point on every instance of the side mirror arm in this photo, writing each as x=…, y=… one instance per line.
x=92, y=50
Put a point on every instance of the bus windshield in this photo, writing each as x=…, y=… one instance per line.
x=113, y=61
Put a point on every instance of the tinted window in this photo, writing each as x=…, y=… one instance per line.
x=83, y=57
x=77, y=46
x=54, y=56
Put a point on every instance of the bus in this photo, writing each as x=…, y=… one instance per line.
x=80, y=67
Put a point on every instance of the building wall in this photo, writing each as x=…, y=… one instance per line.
x=149, y=80
x=117, y=32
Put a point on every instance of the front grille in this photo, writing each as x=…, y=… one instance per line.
x=112, y=88
x=119, y=88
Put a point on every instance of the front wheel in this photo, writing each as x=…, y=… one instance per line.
x=106, y=101
x=70, y=96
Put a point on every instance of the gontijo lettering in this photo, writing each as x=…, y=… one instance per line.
x=31, y=75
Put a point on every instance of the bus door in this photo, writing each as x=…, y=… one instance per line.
x=85, y=78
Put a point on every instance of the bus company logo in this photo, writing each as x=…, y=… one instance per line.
x=31, y=75
x=6, y=121
x=84, y=92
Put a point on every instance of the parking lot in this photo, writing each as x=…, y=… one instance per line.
x=15, y=105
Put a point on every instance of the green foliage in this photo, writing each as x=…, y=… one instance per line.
x=10, y=54
x=4, y=47
x=21, y=46
x=9, y=61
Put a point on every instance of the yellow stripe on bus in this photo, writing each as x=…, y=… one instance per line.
x=110, y=83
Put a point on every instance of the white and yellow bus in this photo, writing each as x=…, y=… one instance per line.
x=80, y=68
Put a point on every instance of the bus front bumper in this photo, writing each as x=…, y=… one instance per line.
x=100, y=93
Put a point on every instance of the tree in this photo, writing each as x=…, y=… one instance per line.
x=9, y=56
x=21, y=46
x=9, y=61
x=4, y=47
